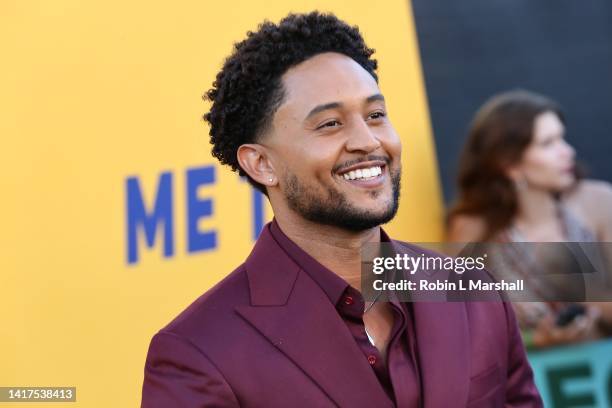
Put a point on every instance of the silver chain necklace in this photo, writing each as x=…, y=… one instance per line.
x=372, y=304
x=370, y=338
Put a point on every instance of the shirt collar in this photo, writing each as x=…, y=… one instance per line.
x=332, y=284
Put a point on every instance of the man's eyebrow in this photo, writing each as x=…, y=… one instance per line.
x=336, y=105
x=376, y=97
x=324, y=107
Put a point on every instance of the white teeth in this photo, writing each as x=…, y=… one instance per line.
x=363, y=173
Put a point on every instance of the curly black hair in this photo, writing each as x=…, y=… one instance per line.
x=248, y=89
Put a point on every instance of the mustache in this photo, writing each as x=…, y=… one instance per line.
x=371, y=157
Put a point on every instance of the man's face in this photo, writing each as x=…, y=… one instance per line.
x=335, y=152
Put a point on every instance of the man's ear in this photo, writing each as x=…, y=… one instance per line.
x=253, y=159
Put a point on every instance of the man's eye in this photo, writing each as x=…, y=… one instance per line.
x=377, y=115
x=331, y=123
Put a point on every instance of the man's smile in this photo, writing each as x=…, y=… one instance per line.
x=369, y=174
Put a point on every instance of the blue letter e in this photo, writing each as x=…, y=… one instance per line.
x=198, y=208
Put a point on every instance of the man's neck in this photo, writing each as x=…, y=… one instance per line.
x=339, y=250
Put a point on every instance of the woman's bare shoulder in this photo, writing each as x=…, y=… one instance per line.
x=591, y=201
x=590, y=192
x=466, y=228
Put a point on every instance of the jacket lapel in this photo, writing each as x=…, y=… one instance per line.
x=443, y=353
x=294, y=314
x=443, y=346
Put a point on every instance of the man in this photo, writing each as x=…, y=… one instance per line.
x=297, y=110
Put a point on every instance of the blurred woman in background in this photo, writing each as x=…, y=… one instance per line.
x=518, y=182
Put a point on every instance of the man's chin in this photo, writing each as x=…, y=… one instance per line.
x=374, y=212
x=369, y=199
x=362, y=218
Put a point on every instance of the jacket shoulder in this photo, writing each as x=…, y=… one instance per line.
x=213, y=308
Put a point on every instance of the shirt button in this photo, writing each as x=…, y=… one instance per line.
x=348, y=300
x=372, y=359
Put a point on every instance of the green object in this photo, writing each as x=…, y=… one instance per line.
x=527, y=336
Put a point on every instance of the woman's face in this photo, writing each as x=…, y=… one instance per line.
x=548, y=162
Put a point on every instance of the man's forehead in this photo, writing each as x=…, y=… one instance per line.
x=326, y=78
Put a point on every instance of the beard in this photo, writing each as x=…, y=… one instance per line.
x=333, y=208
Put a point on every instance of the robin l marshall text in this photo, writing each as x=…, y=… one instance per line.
x=445, y=285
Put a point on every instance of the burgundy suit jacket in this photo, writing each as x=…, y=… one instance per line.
x=268, y=336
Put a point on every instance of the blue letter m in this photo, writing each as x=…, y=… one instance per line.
x=137, y=215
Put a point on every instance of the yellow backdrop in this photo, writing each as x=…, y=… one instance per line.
x=100, y=107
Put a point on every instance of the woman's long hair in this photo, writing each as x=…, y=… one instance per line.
x=500, y=132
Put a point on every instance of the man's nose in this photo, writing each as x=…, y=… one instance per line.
x=362, y=138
